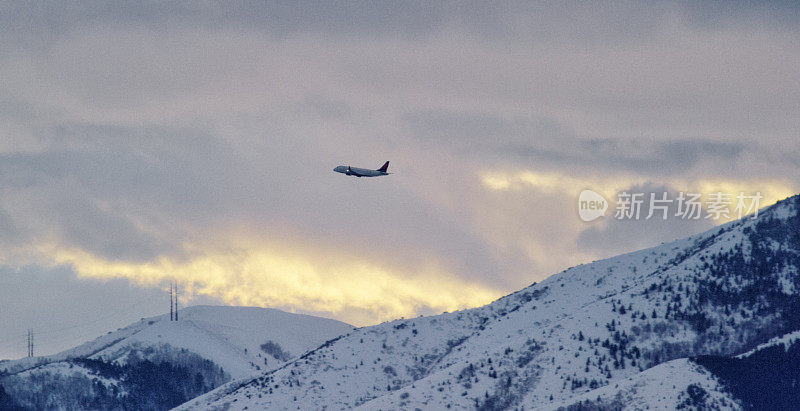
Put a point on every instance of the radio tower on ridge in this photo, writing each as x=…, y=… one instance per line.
x=30, y=342
x=173, y=301
x=176, y=301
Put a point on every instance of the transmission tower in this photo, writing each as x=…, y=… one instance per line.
x=176, y=301
x=173, y=300
x=171, y=305
x=30, y=342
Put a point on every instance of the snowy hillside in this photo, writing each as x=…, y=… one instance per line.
x=578, y=335
x=671, y=385
x=217, y=343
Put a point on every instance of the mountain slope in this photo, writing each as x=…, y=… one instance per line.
x=206, y=348
x=765, y=378
x=676, y=384
x=592, y=326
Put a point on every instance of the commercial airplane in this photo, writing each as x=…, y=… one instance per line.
x=363, y=172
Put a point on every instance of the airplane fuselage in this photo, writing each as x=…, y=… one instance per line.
x=363, y=172
x=359, y=172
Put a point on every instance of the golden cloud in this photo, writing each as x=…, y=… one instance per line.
x=552, y=183
x=348, y=288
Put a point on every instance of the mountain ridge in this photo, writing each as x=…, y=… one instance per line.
x=720, y=292
x=208, y=347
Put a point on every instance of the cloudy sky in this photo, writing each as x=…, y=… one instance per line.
x=195, y=141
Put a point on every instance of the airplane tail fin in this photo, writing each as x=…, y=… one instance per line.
x=384, y=167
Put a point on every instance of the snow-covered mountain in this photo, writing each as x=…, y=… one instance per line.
x=765, y=378
x=614, y=333
x=671, y=385
x=206, y=348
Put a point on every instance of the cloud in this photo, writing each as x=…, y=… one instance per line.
x=551, y=199
x=346, y=286
x=617, y=236
x=611, y=184
x=196, y=140
x=673, y=156
x=65, y=310
x=551, y=144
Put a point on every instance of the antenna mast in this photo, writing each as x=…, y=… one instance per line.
x=30, y=342
x=176, y=301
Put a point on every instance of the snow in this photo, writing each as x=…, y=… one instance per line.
x=228, y=336
x=231, y=336
x=663, y=387
x=67, y=369
x=786, y=340
x=551, y=339
x=596, y=332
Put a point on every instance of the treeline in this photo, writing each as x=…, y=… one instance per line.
x=149, y=379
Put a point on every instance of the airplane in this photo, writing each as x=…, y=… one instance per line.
x=363, y=172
